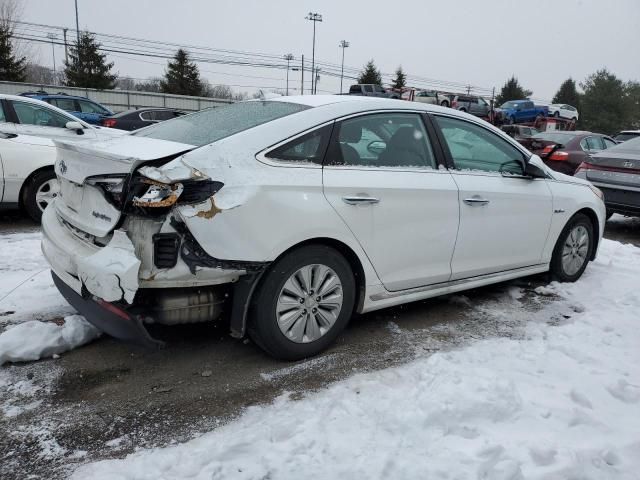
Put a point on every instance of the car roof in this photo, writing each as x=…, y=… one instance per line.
x=51, y=95
x=628, y=131
x=360, y=103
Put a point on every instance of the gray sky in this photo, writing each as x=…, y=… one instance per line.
x=473, y=42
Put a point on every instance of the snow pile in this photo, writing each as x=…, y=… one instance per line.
x=562, y=403
x=34, y=340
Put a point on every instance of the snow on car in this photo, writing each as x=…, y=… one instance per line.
x=293, y=213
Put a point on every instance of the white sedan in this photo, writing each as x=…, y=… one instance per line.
x=559, y=110
x=27, y=152
x=292, y=214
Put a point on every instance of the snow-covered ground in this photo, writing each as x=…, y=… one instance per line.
x=561, y=403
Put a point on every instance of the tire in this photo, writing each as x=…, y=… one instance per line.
x=571, y=254
x=302, y=335
x=39, y=192
x=556, y=114
x=512, y=120
x=444, y=104
x=574, y=119
x=462, y=109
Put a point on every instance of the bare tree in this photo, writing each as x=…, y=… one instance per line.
x=125, y=83
x=10, y=12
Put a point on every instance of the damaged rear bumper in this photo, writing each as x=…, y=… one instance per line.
x=107, y=317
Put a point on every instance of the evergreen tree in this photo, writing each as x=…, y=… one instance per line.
x=182, y=76
x=512, y=90
x=604, y=103
x=370, y=74
x=401, y=79
x=567, y=94
x=87, y=67
x=12, y=69
x=633, y=104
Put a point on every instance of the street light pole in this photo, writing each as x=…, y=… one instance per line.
x=314, y=17
x=52, y=37
x=288, y=57
x=343, y=44
x=77, y=25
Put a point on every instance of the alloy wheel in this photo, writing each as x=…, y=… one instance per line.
x=46, y=193
x=575, y=250
x=309, y=303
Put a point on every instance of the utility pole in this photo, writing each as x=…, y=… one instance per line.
x=315, y=18
x=302, y=81
x=468, y=89
x=343, y=44
x=52, y=37
x=288, y=57
x=77, y=25
x=316, y=78
x=66, y=46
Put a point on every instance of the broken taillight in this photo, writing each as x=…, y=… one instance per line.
x=111, y=185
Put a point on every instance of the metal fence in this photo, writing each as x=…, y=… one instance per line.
x=120, y=100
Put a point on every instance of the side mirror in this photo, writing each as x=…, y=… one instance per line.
x=77, y=126
x=534, y=171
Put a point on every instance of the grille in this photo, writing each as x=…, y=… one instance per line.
x=165, y=249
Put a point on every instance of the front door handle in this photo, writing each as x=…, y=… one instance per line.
x=356, y=200
x=476, y=201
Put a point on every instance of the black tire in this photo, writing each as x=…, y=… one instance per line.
x=462, y=109
x=263, y=324
x=556, y=114
x=31, y=189
x=444, y=104
x=557, y=269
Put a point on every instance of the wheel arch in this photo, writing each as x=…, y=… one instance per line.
x=591, y=214
x=245, y=288
x=28, y=180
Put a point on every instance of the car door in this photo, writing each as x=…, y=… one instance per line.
x=41, y=121
x=382, y=178
x=504, y=217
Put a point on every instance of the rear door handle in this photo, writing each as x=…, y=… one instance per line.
x=476, y=201
x=356, y=200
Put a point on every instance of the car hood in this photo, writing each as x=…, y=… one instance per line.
x=561, y=177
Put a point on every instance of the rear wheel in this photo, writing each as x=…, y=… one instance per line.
x=557, y=114
x=444, y=103
x=39, y=193
x=303, y=303
x=573, y=249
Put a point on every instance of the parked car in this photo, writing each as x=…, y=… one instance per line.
x=27, y=153
x=559, y=110
x=135, y=119
x=428, y=96
x=616, y=171
x=565, y=151
x=520, y=133
x=475, y=105
x=179, y=221
x=519, y=111
x=81, y=107
x=625, y=135
x=372, y=90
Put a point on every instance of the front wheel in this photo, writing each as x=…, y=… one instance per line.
x=573, y=249
x=444, y=103
x=556, y=114
x=303, y=303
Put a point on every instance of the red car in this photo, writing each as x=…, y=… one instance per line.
x=565, y=151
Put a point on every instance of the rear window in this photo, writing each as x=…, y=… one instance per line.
x=561, y=138
x=621, y=137
x=630, y=146
x=211, y=125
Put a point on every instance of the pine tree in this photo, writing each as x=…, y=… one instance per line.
x=567, y=94
x=370, y=74
x=182, y=76
x=604, y=103
x=12, y=69
x=512, y=90
x=87, y=67
x=401, y=79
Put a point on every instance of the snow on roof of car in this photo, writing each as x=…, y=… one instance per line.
x=371, y=102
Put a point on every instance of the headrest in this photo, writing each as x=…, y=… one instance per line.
x=350, y=132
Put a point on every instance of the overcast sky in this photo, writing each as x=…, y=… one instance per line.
x=473, y=42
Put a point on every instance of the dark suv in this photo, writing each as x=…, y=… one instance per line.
x=81, y=107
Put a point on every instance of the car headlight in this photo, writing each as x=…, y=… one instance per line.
x=597, y=191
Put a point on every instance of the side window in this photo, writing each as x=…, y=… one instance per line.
x=474, y=148
x=608, y=143
x=307, y=148
x=3, y=118
x=32, y=114
x=382, y=140
x=594, y=143
x=163, y=115
x=90, y=107
x=147, y=116
x=368, y=88
x=67, y=104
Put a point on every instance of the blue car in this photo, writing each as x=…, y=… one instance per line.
x=81, y=107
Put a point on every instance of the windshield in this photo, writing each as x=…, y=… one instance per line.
x=561, y=138
x=211, y=125
x=509, y=105
x=630, y=146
